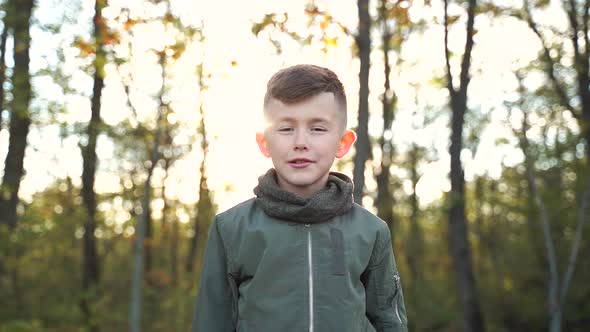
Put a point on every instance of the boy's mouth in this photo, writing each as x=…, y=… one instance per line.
x=300, y=162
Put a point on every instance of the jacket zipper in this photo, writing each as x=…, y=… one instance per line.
x=397, y=313
x=310, y=268
x=397, y=286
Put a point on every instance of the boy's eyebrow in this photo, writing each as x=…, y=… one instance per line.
x=313, y=120
x=322, y=120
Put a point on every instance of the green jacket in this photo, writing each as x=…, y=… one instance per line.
x=262, y=274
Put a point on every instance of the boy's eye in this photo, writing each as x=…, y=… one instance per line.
x=318, y=129
x=285, y=129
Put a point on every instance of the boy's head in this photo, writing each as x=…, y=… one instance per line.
x=300, y=82
x=305, y=111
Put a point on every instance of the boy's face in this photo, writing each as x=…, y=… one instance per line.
x=303, y=139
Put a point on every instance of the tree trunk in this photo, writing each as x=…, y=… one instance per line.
x=203, y=216
x=586, y=130
x=579, y=25
x=557, y=288
x=553, y=289
x=147, y=243
x=459, y=243
x=580, y=40
x=205, y=212
x=20, y=118
x=533, y=228
x=415, y=247
x=3, y=39
x=174, y=251
x=91, y=265
x=494, y=236
x=582, y=219
x=385, y=201
x=170, y=227
x=205, y=208
x=138, y=252
x=140, y=229
x=480, y=253
x=458, y=240
x=17, y=291
x=170, y=231
x=363, y=145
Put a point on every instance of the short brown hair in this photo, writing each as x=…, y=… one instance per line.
x=297, y=83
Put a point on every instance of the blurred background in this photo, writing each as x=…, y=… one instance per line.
x=126, y=125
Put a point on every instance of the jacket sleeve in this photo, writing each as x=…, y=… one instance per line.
x=385, y=307
x=214, y=309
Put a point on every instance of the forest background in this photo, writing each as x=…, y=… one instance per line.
x=126, y=125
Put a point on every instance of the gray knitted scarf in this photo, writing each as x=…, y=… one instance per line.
x=333, y=200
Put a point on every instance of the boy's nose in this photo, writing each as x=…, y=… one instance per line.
x=300, y=147
x=300, y=141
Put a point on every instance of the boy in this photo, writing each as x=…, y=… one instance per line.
x=301, y=256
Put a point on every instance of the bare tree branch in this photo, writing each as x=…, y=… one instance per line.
x=466, y=62
x=550, y=64
x=447, y=52
x=580, y=61
x=571, y=14
x=129, y=103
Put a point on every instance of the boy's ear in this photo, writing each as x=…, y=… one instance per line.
x=345, y=143
x=262, y=144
